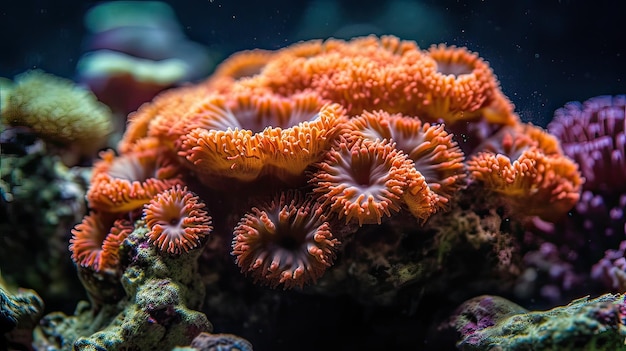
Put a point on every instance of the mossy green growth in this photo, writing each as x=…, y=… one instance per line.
x=159, y=312
x=42, y=200
x=583, y=325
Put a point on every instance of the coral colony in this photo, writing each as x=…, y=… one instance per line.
x=372, y=170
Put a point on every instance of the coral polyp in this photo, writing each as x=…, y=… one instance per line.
x=287, y=241
x=177, y=220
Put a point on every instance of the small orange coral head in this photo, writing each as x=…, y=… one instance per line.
x=436, y=156
x=246, y=135
x=96, y=240
x=177, y=221
x=527, y=168
x=363, y=180
x=287, y=241
x=127, y=182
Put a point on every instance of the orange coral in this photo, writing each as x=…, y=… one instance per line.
x=513, y=140
x=96, y=240
x=155, y=118
x=287, y=241
x=419, y=199
x=458, y=84
x=446, y=84
x=127, y=182
x=548, y=143
x=524, y=164
x=364, y=73
x=176, y=220
x=433, y=151
x=246, y=135
x=220, y=129
x=500, y=110
x=363, y=180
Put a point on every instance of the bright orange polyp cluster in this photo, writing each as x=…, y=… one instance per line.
x=218, y=153
x=458, y=84
x=365, y=73
x=333, y=131
x=155, y=118
x=443, y=84
x=240, y=65
x=435, y=155
x=525, y=165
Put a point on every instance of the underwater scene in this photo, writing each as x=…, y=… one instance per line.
x=312, y=175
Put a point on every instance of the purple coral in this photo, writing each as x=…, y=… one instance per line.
x=611, y=269
x=593, y=133
x=480, y=313
x=549, y=270
x=220, y=342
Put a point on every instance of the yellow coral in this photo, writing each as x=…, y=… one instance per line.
x=6, y=85
x=56, y=109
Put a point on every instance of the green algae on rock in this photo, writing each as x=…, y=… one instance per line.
x=471, y=243
x=163, y=294
x=494, y=323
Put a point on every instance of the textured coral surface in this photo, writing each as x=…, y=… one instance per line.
x=358, y=190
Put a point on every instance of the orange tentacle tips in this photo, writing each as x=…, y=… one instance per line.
x=177, y=220
x=96, y=240
x=362, y=181
x=525, y=165
x=287, y=241
x=127, y=182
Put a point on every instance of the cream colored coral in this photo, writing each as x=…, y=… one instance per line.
x=6, y=85
x=56, y=109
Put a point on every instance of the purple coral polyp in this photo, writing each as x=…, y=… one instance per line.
x=592, y=133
